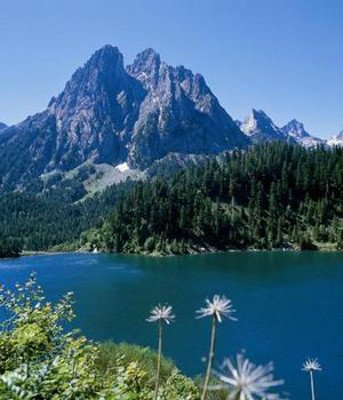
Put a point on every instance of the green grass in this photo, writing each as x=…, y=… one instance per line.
x=146, y=358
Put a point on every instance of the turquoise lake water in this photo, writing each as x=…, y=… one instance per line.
x=289, y=306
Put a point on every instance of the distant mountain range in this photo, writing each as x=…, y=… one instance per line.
x=259, y=127
x=120, y=121
x=336, y=140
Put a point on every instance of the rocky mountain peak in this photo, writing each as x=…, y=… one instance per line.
x=336, y=140
x=259, y=126
x=100, y=75
x=146, y=58
x=146, y=67
x=179, y=114
x=296, y=129
x=109, y=114
x=261, y=117
x=95, y=112
x=2, y=126
x=106, y=58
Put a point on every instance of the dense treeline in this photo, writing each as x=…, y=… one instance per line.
x=10, y=247
x=38, y=222
x=273, y=196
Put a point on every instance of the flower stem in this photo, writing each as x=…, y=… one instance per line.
x=158, y=359
x=210, y=357
x=312, y=386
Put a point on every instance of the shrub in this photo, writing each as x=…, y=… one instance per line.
x=39, y=360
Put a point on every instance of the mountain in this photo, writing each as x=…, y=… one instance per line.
x=179, y=114
x=2, y=126
x=109, y=114
x=259, y=127
x=296, y=130
x=336, y=140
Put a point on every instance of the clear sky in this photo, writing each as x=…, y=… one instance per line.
x=283, y=56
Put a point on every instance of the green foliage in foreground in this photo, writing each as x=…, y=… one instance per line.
x=143, y=356
x=272, y=196
x=39, y=360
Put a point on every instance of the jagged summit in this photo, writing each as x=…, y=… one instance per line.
x=146, y=68
x=336, y=140
x=260, y=127
x=183, y=114
x=96, y=112
x=297, y=131
x=101, y=74
x=2, y=126
x=112, y=114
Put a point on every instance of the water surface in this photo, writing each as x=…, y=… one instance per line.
x=289, y=306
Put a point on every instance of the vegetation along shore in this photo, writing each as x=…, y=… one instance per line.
x=273, y=196
x=40, y=359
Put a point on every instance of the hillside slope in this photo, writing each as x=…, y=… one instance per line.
x=273, y=196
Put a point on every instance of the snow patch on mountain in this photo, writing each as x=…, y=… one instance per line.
x=336, y=140
x=259, y=127
x=123, y=167
x=296, y=130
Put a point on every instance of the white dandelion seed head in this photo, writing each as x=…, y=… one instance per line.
x=219, y=306
x=246, y=381
x=161, y=313
x=311, y=364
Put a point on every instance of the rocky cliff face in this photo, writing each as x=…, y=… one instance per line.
x=296, y=130
x=179, y=114
x=111, y=114
x=96, y=112
x=260, y=128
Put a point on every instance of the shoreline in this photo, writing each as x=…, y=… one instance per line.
x=323, y=249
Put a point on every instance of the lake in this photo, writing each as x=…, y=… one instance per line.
x=289, y=306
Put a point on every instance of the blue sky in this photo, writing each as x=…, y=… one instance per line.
x=283, y=56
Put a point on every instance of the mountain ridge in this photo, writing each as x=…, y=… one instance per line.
x=259, y=127
x=144, y=115
x=109, y=113
x=336, y=140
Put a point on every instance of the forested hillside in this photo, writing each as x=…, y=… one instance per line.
x=273, y=196
x=39, y=222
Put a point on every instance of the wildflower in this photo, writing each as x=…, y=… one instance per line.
x=246, y=381
x=311, y=365
x=160, y=314
x=220, y=307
